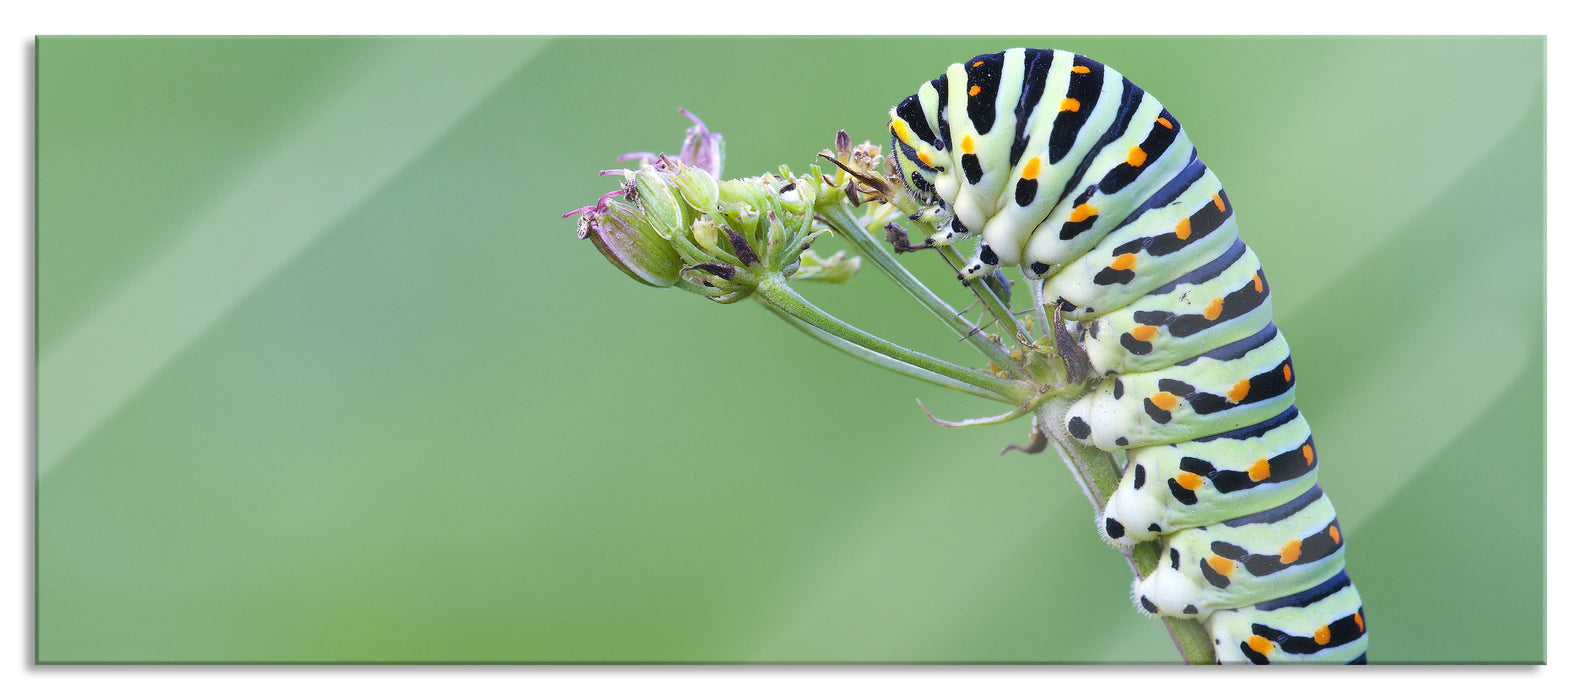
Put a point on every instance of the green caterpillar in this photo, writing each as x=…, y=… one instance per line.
x=1067, y=171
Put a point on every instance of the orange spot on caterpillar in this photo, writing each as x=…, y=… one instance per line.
x=1220, y=203
x=1083, y=212
x=975, y=64
x=1184, y=229
x=1070, y=104
x=1259, y=644
x=1164, y=400
x=1286, y=368
x=974, y=90
x=966, y=144
x=926, y=160
x=1165, y=123
x=1257, y=283
x=1030, y=171
x=1307, y=452
x=1214, y=309
x=1291, y=552
x=1189, y=481
x=1144, y=333
x=1221, y=564
x=1334, y=534
x=1239, y=392
x=1357, y=617
x=1136, y=157
x=1321, y=635
x=898, y=128
x=1080, y=70
x=1259, y=470
x=1124, y=261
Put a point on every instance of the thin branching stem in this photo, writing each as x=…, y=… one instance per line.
x=841, y=220
x=775, y=291
x=996, y=307
x=888, y=363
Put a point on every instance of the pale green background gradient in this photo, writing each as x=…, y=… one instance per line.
x=323, y=376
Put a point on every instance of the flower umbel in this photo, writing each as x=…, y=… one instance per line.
x=675, y=223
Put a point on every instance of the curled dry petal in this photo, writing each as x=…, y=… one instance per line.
x=703, y=148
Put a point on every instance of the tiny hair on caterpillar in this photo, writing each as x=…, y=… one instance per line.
x=1065, y=170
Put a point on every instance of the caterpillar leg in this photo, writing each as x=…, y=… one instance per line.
x=1236, y=386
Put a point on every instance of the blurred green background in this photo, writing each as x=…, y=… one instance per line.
x=323, y=376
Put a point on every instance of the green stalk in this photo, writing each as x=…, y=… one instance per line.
x=996, y=308
x=1098, y=476
x=841, y=220
x=775, y=291
x=888, y=363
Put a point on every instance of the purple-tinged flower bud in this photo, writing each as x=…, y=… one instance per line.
x=702, y=148
x=626, y=239
x=699, y=148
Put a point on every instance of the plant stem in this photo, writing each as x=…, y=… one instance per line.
x=1096, y=473
x=888, y=363
x=996, y=308
x=775, y=291
x=840, y=219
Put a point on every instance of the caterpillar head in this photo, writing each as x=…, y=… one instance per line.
x=918, y=160
x=919, y=180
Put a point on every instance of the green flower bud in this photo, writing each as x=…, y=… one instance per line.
x=744, y=217
x=800, y=199
x=700, y=190
x=835, y=269
x=707, y=233
x=775, y=235
x=659, y=205
x=747, y=191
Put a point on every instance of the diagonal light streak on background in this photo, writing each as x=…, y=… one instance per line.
x=1433, y=167
x=378, y=124
x=1408, y=369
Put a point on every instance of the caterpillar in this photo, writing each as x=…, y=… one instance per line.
x=1064, y=169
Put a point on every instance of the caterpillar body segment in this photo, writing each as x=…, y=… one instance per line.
x=1246, y=383
x=1167, y=488
x=1243, y=561
x=1152, y=250
x=1220, y=304
x=1059, y=166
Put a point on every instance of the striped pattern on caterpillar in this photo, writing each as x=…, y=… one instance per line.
x=1067, y=171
